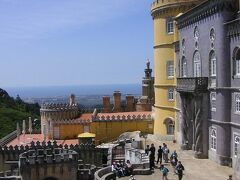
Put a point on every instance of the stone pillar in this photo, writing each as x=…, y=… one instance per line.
x=106, y=104
x=130, y=105
x=186, y=121
x=117, y=101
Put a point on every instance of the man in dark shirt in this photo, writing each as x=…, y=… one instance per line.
x=160, y=152
x=147, y=150
x=152, y=149
x=152, y=156
x=180, y=169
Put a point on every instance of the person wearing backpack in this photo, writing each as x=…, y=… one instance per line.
x=165, y=152
x=180, y=169
x=164, y=172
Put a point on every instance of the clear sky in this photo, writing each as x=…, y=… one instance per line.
x=74, y=42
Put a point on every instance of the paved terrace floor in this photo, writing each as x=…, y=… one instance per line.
x=195, y=169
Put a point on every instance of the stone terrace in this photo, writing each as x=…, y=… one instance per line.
x=195, y=169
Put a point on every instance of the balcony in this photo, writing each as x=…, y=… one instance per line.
x=192, y=85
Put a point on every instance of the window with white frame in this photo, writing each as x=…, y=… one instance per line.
x=237, y=102
x=184, y=67
x=170, y=69
x=170, y=94
x=169, y=25
x=213, y=64
x=196, y=64
x=213, y=101
x=236, y=62
x=236, y=144
x=213, y=139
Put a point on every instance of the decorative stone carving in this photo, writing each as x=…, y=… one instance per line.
x=197, y=127
x=237, y=166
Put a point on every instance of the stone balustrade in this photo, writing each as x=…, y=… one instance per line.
x=192, y=85
x=5, y=140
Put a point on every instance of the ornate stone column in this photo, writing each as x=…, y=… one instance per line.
x=197, y=126
x=185, y=123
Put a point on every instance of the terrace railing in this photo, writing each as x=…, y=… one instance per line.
x=192, y=85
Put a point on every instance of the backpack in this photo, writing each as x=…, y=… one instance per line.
x=165, y=170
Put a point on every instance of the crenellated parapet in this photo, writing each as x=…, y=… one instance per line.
x=43, y=145
x=51, y=113
x=159, y=7
x=58, y=106
x=122, y=117
x=73, y=121
x=48, y=156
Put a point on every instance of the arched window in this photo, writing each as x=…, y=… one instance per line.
x=169, y=126
x=196, y=64
x=213, y=64
x=236, y=62
x=213, y=139
x=171, y=94
x=184, y=67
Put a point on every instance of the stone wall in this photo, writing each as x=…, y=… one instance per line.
x=37, y=164
x=87, y=153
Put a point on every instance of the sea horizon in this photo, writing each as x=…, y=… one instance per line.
x=66, y=90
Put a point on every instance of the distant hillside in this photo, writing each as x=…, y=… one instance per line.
x=15, y=110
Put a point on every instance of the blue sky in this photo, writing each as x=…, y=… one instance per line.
x=74, y=42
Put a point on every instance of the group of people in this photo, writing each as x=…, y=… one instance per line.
x=163, y=154
x=122, y=169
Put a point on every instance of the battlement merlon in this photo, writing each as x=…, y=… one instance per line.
x=58, y=106
x=159, y=6
x=49, y=156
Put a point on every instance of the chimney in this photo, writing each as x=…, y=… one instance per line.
x=117, y=101
x=106, y=104
x=130, y=103
x=72, y=100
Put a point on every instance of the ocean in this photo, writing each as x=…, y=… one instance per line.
x=80, y=90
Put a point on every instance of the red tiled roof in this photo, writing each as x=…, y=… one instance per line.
x=86, y=117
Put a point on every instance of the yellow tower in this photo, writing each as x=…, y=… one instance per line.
x=165, y=38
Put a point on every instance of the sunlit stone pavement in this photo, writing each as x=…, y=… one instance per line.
x=195, y=169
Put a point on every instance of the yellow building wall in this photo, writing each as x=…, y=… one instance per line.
x=164, y=51
x=110, y=130
x=106, y=130
x=70, y=131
